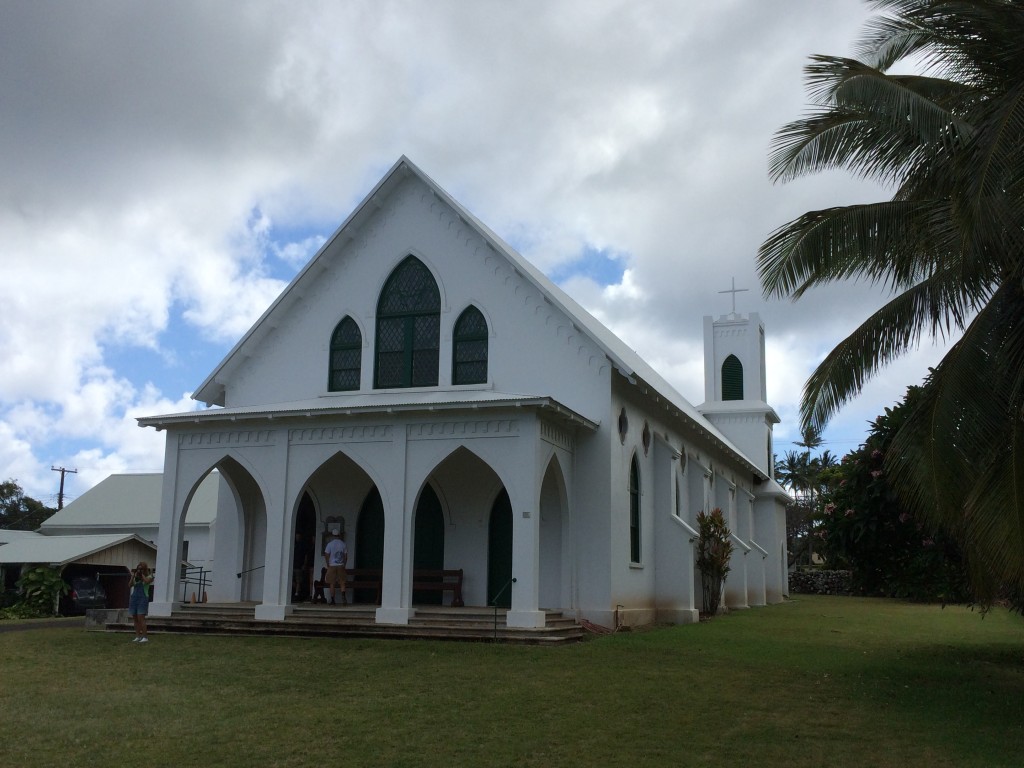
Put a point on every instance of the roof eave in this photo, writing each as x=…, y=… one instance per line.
x=546, y=404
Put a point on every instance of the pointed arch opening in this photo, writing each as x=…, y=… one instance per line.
x=428, y=543
x=555, y=591
x=408, y=335
x=240, y=543
x=732, y=378
x=304, y=549
x=369, y=542
x=499, y=552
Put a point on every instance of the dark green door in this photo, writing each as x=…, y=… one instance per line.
x=370, y=541
x=428, y=543
x=499, y=552
x=304, y=554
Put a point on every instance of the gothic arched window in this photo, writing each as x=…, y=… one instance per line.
x=408, y=328
x=469, y=348
x=732, y=378
x=346, y=356
x=634, y=512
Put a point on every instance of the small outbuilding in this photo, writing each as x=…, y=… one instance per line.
x=109, y=558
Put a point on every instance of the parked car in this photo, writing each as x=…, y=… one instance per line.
x=84, y=593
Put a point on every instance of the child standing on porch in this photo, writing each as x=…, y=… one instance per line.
x=336, y=556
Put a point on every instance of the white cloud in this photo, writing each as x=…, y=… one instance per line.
x=153, y=152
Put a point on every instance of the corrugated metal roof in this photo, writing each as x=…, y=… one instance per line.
x=59, y=550
x=131, y=500
x=7, y=535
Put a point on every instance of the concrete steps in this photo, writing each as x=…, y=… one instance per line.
x=429, y=622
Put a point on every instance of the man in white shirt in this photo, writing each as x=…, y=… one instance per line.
x=336, y=557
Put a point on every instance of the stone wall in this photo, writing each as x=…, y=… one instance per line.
x=815, y=581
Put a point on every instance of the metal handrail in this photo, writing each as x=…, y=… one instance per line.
x=494, y=602
x=242, y=573
x=188, y=577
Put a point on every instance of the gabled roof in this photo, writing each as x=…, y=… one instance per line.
x=130, y=500
x=60, y=550
x=621, y=356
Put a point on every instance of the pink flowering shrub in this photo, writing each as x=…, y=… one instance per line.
x=887, y=551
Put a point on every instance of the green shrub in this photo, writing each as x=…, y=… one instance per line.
x=41, y=588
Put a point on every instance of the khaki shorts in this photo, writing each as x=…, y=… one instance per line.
x=335, y=575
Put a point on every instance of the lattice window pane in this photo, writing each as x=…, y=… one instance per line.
x=471, y=352
x=470, y=373
x=408, y=327
x=346, y=356
x=424, y=367
x=390, y=335
x=344, y=380
x=427, y=333
x=411, y=288
x=347, y=334
x=471, y=325
x=390, y=367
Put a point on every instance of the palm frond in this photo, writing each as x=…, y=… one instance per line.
x=875, y=125
x=885, y=335
x=895, y=242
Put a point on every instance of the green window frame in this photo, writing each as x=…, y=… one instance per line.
x=408, y=338
x=469, y=348
x=634, y=511
x=732, y=378
x=346, y=356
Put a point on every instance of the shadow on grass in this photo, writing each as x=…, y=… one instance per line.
x=967, y=700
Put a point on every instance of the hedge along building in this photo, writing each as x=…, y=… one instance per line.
x=424, y=387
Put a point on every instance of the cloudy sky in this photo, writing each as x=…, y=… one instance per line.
x=168, y=167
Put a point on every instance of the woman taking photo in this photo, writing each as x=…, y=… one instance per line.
x=138, y=601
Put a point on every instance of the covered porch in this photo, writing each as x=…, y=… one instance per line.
x=484, y=492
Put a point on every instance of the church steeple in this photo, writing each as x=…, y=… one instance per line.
x=735, y=383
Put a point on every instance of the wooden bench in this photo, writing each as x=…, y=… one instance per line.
x=440, y=581
x=372, y=579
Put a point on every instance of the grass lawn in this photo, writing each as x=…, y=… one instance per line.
x=816, y=682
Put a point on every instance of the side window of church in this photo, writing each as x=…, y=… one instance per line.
x=346, y=355
x=634, y=512
x=408, y=328
x=469, y=352
x=732, y=378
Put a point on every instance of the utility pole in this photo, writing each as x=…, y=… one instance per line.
x=60, y=495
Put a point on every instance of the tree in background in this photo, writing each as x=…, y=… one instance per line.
x=865, y=528
x=18, y=511
x=806, y=478
x=948, y=246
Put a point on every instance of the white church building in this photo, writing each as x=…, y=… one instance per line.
x=423, y=387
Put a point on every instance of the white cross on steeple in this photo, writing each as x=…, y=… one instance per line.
x=734, y=290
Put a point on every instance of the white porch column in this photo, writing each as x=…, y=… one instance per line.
x=396, y=592
x=525, y=499
x=171, y=521
x=277, y=550
x=525, y=567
